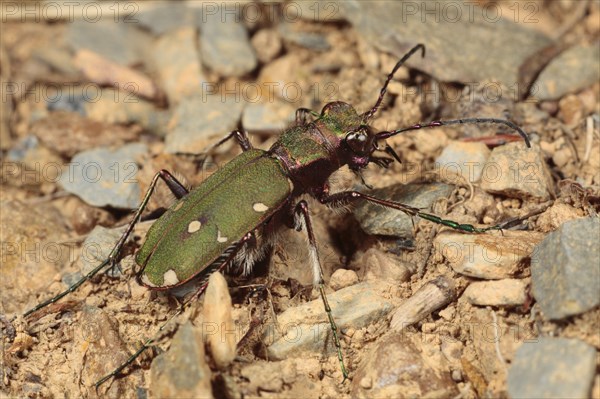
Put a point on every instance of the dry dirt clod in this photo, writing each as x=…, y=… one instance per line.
x=396, y=367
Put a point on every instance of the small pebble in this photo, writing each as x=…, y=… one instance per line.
x=118, y=42
x=462, y=158
x=182, y=370
x=366, y=382
x=178, y=65
x=97, y=246
x=448, y=313
x=457, y=375
x=512, y=43
x=513, y=170
x=217, y=312
x=562, y=157
x=509, y=292
x=564, y=273
x=570, y=110
x=267, y=44
x=306, y=328
x=272, y=117
x=224, y=45
x=104, y=177
x=487, y=256
x=343, y=278
x=376, y=220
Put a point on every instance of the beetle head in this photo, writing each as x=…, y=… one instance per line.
x=355, y=139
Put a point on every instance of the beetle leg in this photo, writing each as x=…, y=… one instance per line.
x=303, y=221
x=240, y=136
x=178, y=190
x=347, y=197
x=302, y=116
x=217, y=266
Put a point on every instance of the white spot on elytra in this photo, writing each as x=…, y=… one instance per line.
x=170, y=277
x=147, y=281
x=220, y=238
x=260, y=207
x=194, y=226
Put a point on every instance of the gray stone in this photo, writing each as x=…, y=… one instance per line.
x=309, y=40
x=201, y=119
x=176, y=59
x=570, y=72
x=104, y=177
x=224, y=45
x=165, y=17
x=375, y=219
x=271, y=117
x=552, y=368
x=488, y=46
x=182, y=371
x=513, y=170
x=464, y=159
x=97, y=246
x=488, y=256
x=565, y=270
x=305, y=328
x=119, y=42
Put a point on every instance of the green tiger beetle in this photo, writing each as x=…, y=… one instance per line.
x=208, y=229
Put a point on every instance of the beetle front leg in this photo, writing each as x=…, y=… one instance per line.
x=348, y=197
x=240, y=136
x=303, y=222
x=178, y=190
x=302, y=115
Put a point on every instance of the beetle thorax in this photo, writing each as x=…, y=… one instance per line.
x=311, y=153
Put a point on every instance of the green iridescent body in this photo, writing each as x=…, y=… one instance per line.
x=198, y=228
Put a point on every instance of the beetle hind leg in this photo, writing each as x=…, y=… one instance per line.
x=302, y=218
x=347, y=197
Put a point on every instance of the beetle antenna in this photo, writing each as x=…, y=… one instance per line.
x=367, y=115
x=385, y=135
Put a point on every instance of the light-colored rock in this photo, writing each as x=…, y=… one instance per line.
x=488, y=256
x=508, y=292
x=223, y=338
